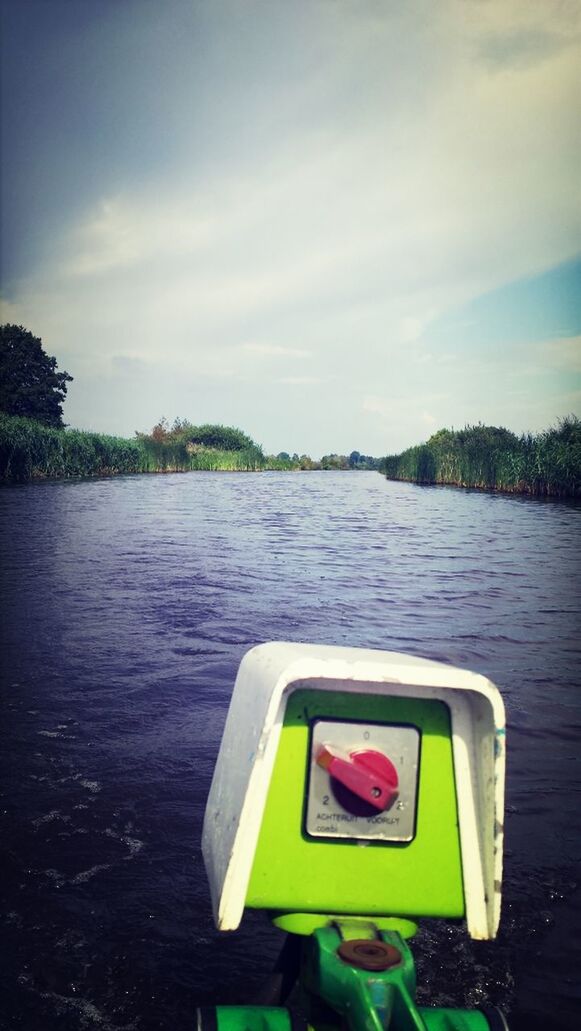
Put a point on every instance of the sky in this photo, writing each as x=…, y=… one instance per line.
x=336, y=224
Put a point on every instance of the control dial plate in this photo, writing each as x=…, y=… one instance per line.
x=327, y=818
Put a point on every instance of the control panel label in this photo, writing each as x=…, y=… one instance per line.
x=349, y=764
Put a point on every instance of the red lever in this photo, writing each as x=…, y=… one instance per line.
x=368, y=774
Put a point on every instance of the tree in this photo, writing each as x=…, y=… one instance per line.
x=29, y=382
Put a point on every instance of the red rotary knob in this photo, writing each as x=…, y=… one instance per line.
x=364, y=782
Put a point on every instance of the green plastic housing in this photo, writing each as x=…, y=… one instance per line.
x=292, y=871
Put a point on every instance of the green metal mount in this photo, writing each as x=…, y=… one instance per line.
x=374, y=1000
x=245, y=1018
x=352, y=976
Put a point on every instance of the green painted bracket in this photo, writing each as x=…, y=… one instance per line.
x=244, y=1018
x=375, y=1000
x=305, y=924
x=340, y=994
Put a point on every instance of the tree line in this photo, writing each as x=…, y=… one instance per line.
x=34, y=441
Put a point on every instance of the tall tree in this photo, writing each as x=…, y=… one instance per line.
x=29, y=382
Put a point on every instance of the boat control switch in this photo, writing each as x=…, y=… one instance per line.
x=362, y=782
x=369, y=775
x=355, y=792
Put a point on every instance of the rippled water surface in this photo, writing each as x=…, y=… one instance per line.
x=127, y=606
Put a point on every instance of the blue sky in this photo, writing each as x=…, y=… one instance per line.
x=337, y=224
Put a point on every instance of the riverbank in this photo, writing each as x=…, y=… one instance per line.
x=31, y=451
x=484, y=457
x=490, y=458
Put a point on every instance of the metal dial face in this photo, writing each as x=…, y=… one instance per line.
x=327, y=818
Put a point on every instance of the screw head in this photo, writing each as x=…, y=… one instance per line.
x=369, y=955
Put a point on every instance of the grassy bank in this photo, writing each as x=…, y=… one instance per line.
x=29, y=450
x=548, y=464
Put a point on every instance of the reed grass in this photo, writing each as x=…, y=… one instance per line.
x=488, y=457
x=30, y=451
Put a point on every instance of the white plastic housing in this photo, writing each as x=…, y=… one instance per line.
x=267, y=675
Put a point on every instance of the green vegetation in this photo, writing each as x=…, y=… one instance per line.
x=548, y=464
x=487, y=457
x=333, y=461
x=219, y=438
x=30, y=450
x=283, y=462
x=34, y=443
x=30, y=386
x=353, y=461
x=185, y=447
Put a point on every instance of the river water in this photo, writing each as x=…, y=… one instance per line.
x=127, y=606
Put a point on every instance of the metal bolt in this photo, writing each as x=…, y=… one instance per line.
x=369, y=955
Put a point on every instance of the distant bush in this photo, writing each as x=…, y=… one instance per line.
x=223, y=438
x=283, y=462
x=496, y=459
x=353, y=461
x=185, y=446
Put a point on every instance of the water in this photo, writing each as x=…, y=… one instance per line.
x=127, y=605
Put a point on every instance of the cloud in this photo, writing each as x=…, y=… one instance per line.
x=300, y=381
x=411, y=329
x=326, y=202
x=432, y=196
x=403, y=421
x=276, y=350
x=511, y=51
x=10, y=311
x=563, y=354
x=376, y=405
x=428, y=420
x=516, y=35
x=125, y=365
